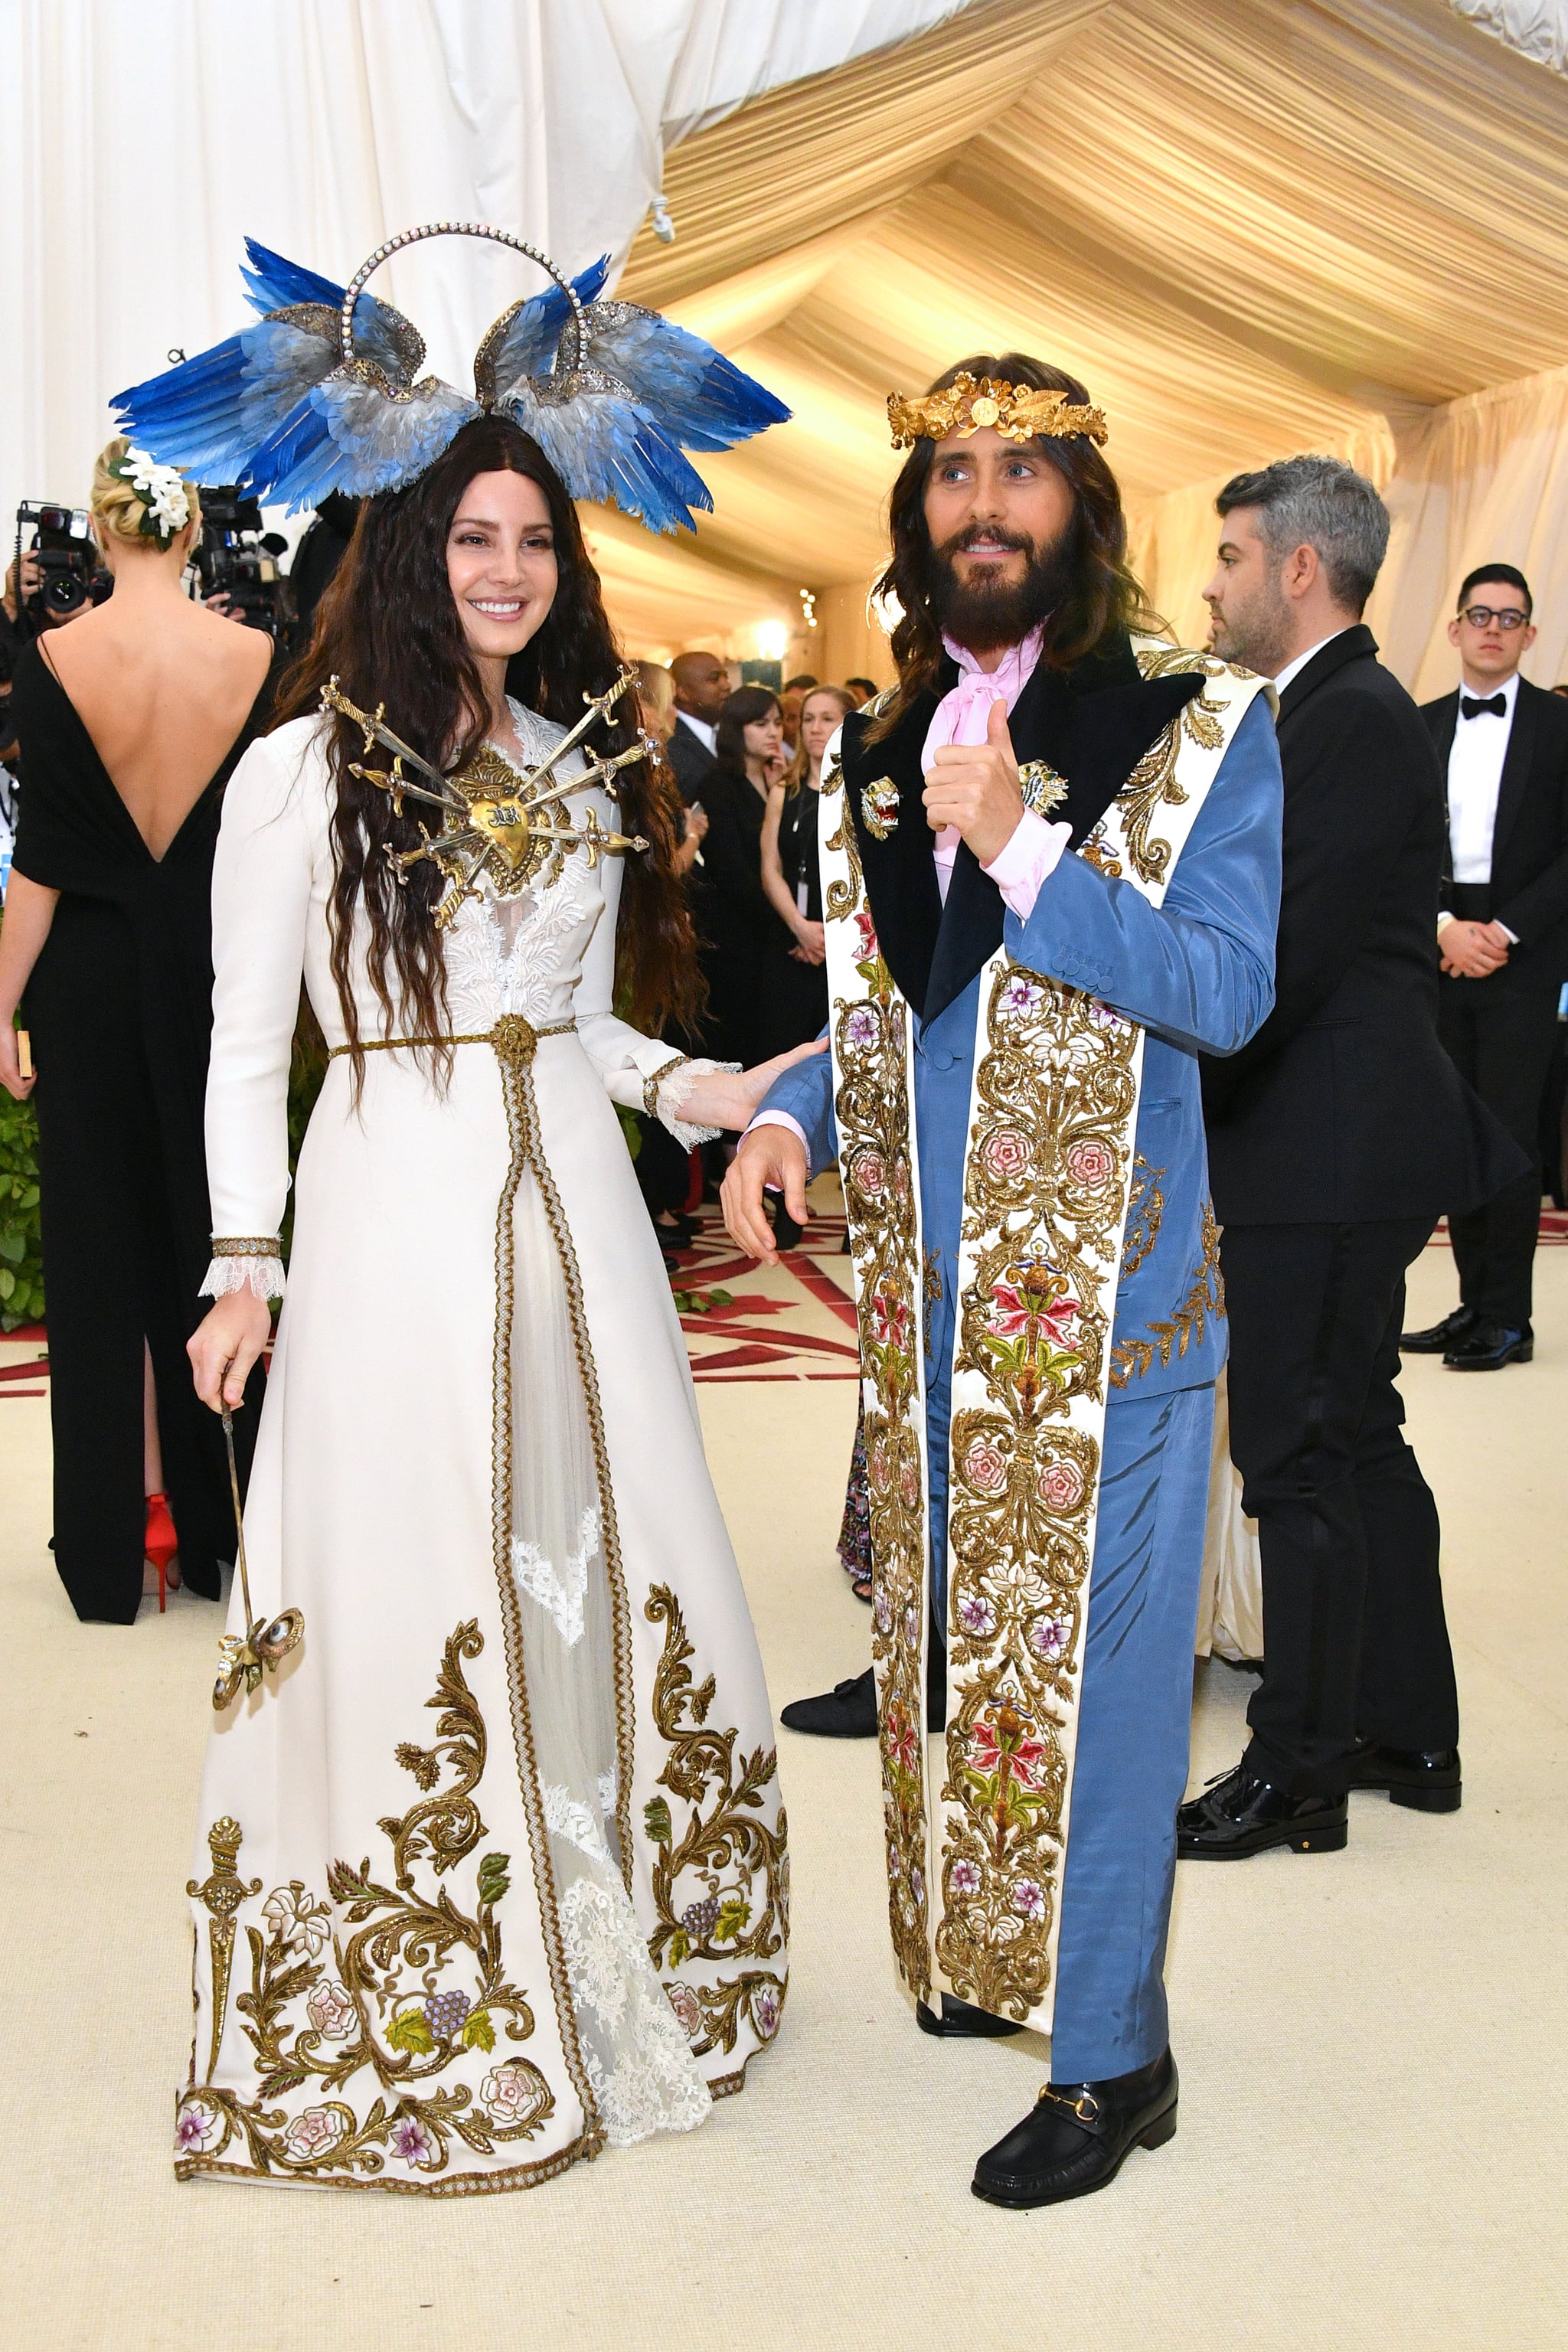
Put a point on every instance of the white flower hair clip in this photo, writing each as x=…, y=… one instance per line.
x=160, y=489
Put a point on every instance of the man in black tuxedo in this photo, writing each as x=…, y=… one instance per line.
x=701, y=686
x=1502, y=934
x=1337, y=1137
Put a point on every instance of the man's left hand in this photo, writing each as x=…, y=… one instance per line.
x=975, y=787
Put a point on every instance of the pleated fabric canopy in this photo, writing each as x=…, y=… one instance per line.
x=1254, y=228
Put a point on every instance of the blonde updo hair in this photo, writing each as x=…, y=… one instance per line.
x=120, y=512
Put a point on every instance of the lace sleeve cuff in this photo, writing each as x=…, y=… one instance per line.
x=666, y=1093
x=254, y=1264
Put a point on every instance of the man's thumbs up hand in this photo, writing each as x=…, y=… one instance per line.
x=975, y=787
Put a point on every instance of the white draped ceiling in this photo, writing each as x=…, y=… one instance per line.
x=1252, y=227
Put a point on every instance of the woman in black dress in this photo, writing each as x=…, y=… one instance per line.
x=794, y=977
x=130, y=721
x=734, y=922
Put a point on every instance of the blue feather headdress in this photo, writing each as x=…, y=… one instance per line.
x=321, y=392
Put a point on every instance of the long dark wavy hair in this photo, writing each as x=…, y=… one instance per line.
x=388, y=628
x=742, y=709
x=1104, y=598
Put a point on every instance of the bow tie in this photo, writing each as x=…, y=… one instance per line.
x=1471, y=707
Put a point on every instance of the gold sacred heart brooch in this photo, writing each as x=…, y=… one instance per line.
x=508, y=823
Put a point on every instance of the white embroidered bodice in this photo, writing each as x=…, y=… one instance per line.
x=547, y=953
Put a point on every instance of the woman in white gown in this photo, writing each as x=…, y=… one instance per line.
x=492, y=1873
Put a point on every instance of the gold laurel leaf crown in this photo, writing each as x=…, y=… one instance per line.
x=1017, y=411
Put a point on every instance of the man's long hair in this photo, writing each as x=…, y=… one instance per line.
x=1103, y=598
x=388, y=626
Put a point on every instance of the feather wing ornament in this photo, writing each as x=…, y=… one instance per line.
x=277, y=409
x=615, y=402
x=296, y=406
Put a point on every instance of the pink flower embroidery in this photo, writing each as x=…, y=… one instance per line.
x=1003, y=1747
x=688, y=2009
x=510, y=2094
x=197, y=2126
x=1007, y=1155
x=1029, y=1900
x=1038, y=1300
x=314, y=2134
x=964, y=1878
x=1022, y=996
x=765, y=2011
x=977, y=1618
x=861, y=1028
x=1061, y=1485
x=1090, y=1163
x=1049, y=1638
x=869, y=1172
x=330, y=2012
x=903, y=1741
x=985, y=1465
x=868, y=930
x=890, y=1320
x=412, y=2143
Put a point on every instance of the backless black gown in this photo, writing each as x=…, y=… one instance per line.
x=119, y=1011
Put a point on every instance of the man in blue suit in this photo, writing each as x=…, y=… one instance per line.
x=1016, y=1008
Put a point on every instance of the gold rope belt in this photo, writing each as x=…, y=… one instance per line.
x=512, y=1037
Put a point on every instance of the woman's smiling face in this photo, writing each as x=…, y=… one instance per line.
x=501, y=562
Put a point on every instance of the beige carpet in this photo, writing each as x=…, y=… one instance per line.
x=1372, y=2147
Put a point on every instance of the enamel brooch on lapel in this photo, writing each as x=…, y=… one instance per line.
x=1042, y=787
x=879, y=806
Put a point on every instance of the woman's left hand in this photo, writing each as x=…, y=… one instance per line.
x=731, y=1098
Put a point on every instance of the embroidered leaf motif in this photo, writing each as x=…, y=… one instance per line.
x=657, y=1821
x=733, y=1915
x=679, y=1945
x=409, y=2030
x=493, y=1881
x=478, y=2033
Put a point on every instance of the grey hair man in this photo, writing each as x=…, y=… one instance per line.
x=1337, y=1137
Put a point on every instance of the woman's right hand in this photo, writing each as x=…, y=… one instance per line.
x=11, y=1079
x=231, y=1335
x=813, y=941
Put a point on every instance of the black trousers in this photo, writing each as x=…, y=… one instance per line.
x=1355, y=1642
x=1499, y=1037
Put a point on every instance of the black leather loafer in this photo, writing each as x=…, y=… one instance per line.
x=1239, y=1815
x=1487, y=1348
x=1077, y=2136
x=959, y=2021
x=848, y=1711
x=1439, y=1337
x=1426, y=1780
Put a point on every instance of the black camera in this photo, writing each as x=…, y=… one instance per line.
x=236, y=560
x=69, y=573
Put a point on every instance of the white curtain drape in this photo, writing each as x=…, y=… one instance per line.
x=145, y=138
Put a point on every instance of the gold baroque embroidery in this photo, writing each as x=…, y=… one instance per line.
x=933, y=1292
x=1131, y=1359
x=1152, y=785
x=1044, y=1202
x=382, y=2004
x=726, y=1851
x=223, y=1893
x=1145, y=1212
x=871, y=1053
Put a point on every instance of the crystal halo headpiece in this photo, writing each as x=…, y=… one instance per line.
x=322, y=392
x=1017, y=412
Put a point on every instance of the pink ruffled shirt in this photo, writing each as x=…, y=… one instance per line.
x=962, y=717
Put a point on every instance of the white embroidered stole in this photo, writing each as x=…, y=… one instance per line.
x=976, y=1877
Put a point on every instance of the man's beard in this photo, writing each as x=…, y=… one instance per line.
x=987, y=612
x=1258, y=633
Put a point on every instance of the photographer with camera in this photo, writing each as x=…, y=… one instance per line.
x=236, y=563
x=129, y=726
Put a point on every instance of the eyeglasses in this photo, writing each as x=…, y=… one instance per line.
x=1481, y=616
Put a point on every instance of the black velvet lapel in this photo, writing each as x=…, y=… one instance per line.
x=1092, y=725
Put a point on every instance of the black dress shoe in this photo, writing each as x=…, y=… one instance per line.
x=1428, y=1779
x=848, y=1711
x=1076, y=2136
x=786, y=1232
x=958, y=2021
x=1488, y=1347
x=1239, y=1815
x=1439, y=1337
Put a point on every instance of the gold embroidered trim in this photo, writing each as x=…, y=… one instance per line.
x=1145, y=1215
x=231, y=1246
x=725, y=1851
x=1131, y=1359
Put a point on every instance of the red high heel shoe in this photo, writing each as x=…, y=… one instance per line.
x=160, y=1543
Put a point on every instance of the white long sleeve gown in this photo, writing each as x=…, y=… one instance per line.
x=493, y=1871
